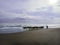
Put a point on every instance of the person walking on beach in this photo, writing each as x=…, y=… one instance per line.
x=47, y=27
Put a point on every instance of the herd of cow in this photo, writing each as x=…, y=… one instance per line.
x=34, y=27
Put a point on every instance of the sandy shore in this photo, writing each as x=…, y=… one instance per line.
x=35, y=37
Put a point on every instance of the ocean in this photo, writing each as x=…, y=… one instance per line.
x=17, y=27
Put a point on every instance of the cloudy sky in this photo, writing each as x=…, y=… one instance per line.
x=31, y=11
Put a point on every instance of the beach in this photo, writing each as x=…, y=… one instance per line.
x=49, y=36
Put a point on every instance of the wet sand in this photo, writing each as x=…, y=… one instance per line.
x=35, y=37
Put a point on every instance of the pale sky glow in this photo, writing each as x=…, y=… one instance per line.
x=39, y=11
x=53, y=2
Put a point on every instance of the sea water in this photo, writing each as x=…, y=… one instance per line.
x=7, y=27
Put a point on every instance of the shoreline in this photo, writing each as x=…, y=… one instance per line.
x=35, y=37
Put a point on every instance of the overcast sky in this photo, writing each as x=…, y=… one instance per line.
x=42, y=11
